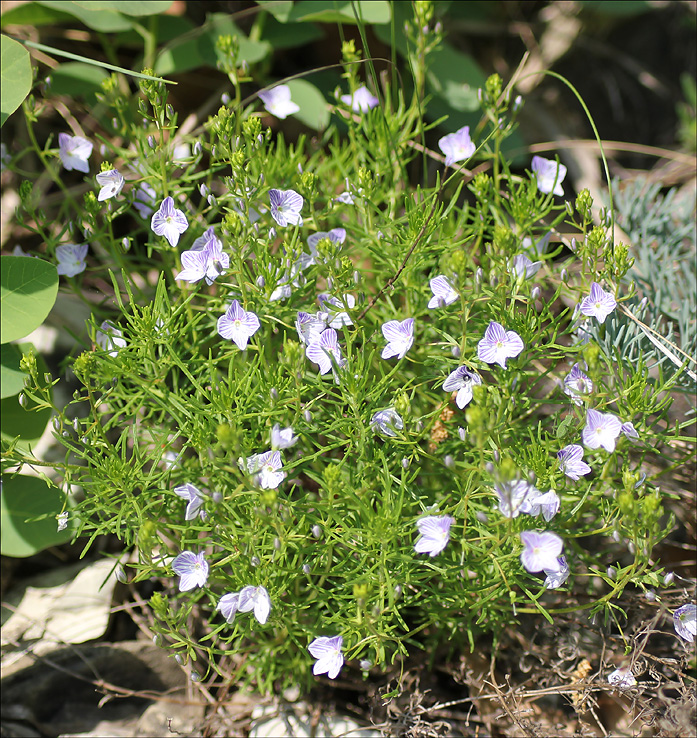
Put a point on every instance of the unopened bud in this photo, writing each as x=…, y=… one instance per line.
x=254, y=561
x=449, y=462
x=535, y=293
x=316, y=531
x=308, y=416
x=650, y=595
x=306, y=568
x=455, y=351
x=405, y=463
x=260, y=282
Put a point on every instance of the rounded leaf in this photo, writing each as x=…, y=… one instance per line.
x=16, y=76
x=28, y=289
x=22, y=500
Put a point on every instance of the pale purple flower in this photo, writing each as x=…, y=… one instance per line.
x=324, y=349
x=523, y=268
x=556, y=577
x=599, y=304
x=685, y=622
x=434, y=533
x=457, y=146
x=462, y=380
x=195, y=499
x=111, y=183
x=109, y=338
x=256, y=599
x=622, y=678
x=310, y=327
x=535, y=503
x=577, y=384
x=601, y=429
x=169, y=222
x=144, y=200
x=19, y=251
x=630, y=431
x=238, y=325
x=346, y=198
x=267, y=469
x=74, y=151
x=499, y=344
x=282, y=437
x=336, y=235
x=277, y=101
x=513, y=495
x=540, y=247
x=71, y=258
x=361, y=101
x=286, y=206
x=387, y=422
x=443, y=292
x=207, y=261
x=336, y=307
x=571, y=462
x=228, y=605
x=541, y=551
x=192, y=568
x=327, y=652
x=549, y=174
x=400, y=337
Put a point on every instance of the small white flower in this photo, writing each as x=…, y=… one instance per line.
x=387, y=422
x=277, y=101
x=257, y=599
x=111, y=183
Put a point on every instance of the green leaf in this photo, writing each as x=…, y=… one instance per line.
x=77, y=80
x=16, y=77
x=28, y=289
x=25, y=423
x=331, y=11
x=11, y=376
x=106, y=19
x=222, y=25
x=22, y=499
x=314, y=111
x=181, y=54
x=279, y=9
x=290, y=35
x=33, y=14
x=455, y=77
x=128, y=7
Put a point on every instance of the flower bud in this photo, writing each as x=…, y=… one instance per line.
x=455, y=351
x=462, y=432
x=195, y=676
x=405, y=463
x=449, y=462
x=650, y=595
x=308, y=416
x=365, y=664
x=254, y=561
x=179, y=659
x=611, y=572
x=535, y=293
x=306, y=568
x=668, y=578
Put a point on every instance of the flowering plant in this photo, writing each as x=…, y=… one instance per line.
x=348, y=443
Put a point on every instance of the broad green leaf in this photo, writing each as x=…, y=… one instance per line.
x=22, y=499
x=279, y=9
x=220, y=24
x=290, y=35
x=28, y=289
x=106, y=20
x=314, y=111
x=33, y=14
x=333, y=11
x=128, y=7
x=11, y=376
x=24, y=422
x=16, y=76
x=77, y=80
x=181, y=54
x=455, y=77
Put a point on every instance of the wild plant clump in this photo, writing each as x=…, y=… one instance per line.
x=342, y=417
